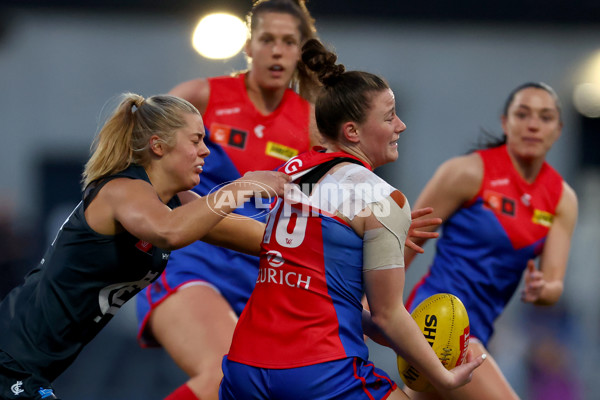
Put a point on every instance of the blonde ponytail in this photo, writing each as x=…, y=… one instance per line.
x=124, y=139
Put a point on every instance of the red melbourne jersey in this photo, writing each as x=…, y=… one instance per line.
x=485, y=245
x=254, y=141
x=306, y=305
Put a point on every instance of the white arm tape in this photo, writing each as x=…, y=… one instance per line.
x=383, y=248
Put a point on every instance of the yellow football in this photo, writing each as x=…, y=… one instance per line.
x=444, y=322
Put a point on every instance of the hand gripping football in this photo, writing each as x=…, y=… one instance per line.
x=444, y=322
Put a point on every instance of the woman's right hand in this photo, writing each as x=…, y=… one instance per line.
x=266, y=183
x=462, y=374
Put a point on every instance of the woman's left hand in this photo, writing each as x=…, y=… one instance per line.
x=534, y=283
x=415, y=228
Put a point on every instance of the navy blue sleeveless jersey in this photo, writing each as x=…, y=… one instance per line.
x=81, y=282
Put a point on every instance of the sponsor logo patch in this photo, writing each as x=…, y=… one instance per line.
x=143, y=246
x=280, y=151
x=46, y=393
x=543, y=218
x=499, y=203
x=228, y=136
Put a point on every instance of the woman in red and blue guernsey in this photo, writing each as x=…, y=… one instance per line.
x=503, y=207
x=255, y=120
x=339, y=233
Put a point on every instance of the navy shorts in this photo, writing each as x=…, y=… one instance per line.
x=348, y=379
x=16, y=383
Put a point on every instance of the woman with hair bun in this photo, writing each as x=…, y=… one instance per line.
x=339, y=230
x=255, y=120
x=136, y=208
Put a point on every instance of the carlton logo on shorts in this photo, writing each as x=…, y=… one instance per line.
x=16, y=388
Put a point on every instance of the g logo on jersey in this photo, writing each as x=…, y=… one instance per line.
x=292, y=166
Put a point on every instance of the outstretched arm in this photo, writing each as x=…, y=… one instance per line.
x=455, y=182
x=237, y=233
x=134, y=205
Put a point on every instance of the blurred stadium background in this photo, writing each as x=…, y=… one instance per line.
x=451, y=65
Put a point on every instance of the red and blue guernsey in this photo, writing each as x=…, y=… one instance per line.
x=306, y=306
x=240, y=139
x=485, y=245
x=247, y=139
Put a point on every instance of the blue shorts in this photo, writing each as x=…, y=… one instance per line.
x=348, y=379
x=230, y=273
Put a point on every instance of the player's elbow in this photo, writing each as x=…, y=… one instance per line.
x=551, y=293
x=171, y=239
x=383, y=319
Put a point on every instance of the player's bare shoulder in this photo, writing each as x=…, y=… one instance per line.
x=196, y=91
x=466, y=168
x=569, y=196
x=462, y=173
x=568, y=203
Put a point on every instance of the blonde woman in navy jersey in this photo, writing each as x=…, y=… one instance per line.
x=339, y=232
x=502, y=207
x=136, y=208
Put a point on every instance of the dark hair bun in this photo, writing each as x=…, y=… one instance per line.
x=323, y=62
